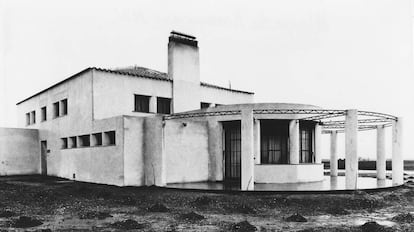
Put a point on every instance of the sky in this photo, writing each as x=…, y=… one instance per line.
x=337, y=54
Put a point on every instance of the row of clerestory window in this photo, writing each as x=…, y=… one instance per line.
x=60, y=108
x=89, y=140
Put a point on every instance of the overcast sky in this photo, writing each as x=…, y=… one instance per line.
x=337, y=54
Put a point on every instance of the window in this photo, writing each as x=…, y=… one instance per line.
x=73, y=142
x=55, y=109
x=64, y=107
x=33, y=117
x=64, y=142
x=84, y=141
x=204, y=105
x=43, y=114
x=27, y=119
x=97, y=139
x=274, y=142
x=163, y=105
x=141, y=103
x=109, y=138
x=306, y=142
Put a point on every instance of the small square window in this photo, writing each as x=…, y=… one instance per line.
x=163, y=105
x=141, y=103
x=72, y=142
x=204, y=105
x=64, y=142
x=84, y=141
x=64, y=107
x=97, y=139
x=109, y=138
x=43, y=114
x=55, y=109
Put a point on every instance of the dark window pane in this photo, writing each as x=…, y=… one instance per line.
x=163, y=105
x=43, y=114
x=141, y=103
x=64, y=105
x=56, y=109
x=204, y=105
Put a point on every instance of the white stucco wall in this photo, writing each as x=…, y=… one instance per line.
x=220, y=96
x=133, y=151
x=186, y=151
x=19, y=151
x=288, y=173
x=184, y=69
x=117, y=91
x=100, y=164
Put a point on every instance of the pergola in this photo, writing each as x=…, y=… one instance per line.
x=329, y=122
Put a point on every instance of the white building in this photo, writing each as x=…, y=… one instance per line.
x=136, y=126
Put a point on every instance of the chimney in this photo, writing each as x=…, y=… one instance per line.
x=184, y=69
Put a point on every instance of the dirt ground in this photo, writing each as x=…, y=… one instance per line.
x=35, y=203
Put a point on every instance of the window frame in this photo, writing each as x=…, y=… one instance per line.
x=63, y=107
x=163, y=105
x=141, y=103
x=56, y=109
x=43, y=114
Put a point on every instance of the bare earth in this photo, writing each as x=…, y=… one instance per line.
x=35, y=203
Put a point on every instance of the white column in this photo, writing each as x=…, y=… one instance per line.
x=381, y=162
x=334, y=154
x=294, y=142
x=247, y=152
x=153, y=104
x=318, y=140
x=351, y=151
x=397, y=160
x=257, y=141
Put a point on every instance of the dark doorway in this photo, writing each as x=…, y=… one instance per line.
x=43, y=157
x=232, y=151
x=274, y=136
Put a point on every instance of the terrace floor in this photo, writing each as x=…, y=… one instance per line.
x=328, y=184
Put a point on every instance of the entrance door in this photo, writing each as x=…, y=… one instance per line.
x=43, y=157
x=232, y=150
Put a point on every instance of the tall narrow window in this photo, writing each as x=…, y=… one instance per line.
x=27, y=119
x=64, y=107
x=141, y=103
x=43, y=114
x=163, y=105
x=306, y=142
x=33, y=117
x=55, y=109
